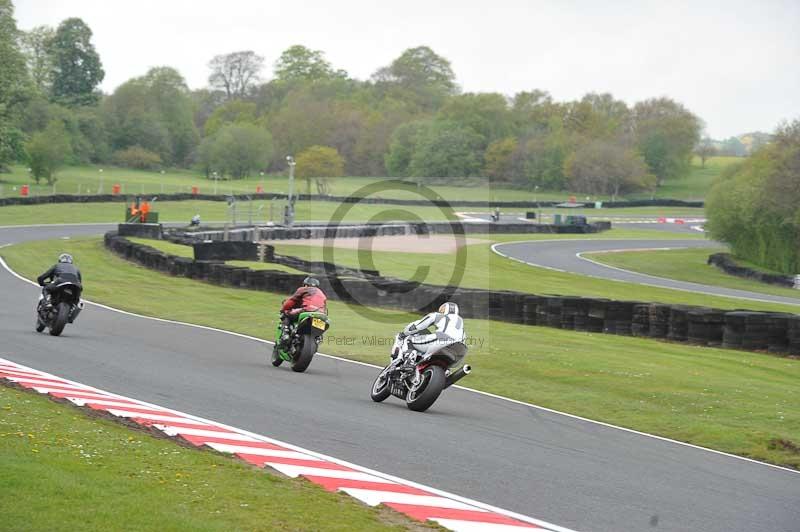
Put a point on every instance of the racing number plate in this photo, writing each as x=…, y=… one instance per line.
x=318, y=323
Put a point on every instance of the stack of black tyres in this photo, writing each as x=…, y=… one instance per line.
x=569, y=308
x=678, y=323
x=530, y=309
x=756, y=332
x=553, y=310
x=581, y=320
x=734, y=330
x=793, y=335
x=619, y=315
x=777, y=333
x=659, y=320
x=705, y=326
x=640, y=324
x=597, y=315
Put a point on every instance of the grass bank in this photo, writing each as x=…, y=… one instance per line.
x=687, y=265
x=483, y=268
x=260, y=212
x=63, y=470
x=733, y=401
x=91, y=180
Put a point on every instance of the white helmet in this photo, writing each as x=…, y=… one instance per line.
x=448, y=308
x=65, y=257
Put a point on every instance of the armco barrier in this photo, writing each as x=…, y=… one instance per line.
x=726, y=263
x=756, y=331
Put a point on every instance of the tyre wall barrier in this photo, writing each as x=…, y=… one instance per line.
x=102, y=198
x=726, y=263
x=154, y=231
x=257, y=234
x=744, y=330
x=226, y=251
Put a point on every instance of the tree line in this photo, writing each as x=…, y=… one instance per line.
x=755, y=205
x=410, y=119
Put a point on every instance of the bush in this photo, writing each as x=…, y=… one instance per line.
x=137, y=157
x=755, y=206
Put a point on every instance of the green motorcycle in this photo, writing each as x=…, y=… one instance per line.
x=305, y=335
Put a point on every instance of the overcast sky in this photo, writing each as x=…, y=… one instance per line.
x=734, y=63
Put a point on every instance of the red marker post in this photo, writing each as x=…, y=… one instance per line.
x=24, y=190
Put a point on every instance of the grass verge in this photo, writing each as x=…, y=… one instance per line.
x=687, y=265
x=69, y=471
x=483, y=268
x=733, y=401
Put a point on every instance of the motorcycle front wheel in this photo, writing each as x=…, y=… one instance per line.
x=380, y=388
x=421, y=397
x=275, y=358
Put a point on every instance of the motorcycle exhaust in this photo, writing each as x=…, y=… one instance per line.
x=75, y=311
x=457, y=375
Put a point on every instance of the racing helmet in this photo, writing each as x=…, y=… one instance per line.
x=448, y=308
x=311, y=281
x=65, y=258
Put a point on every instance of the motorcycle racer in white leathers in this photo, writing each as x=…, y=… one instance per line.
x=449, y=329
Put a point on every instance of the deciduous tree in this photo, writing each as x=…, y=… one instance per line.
x=705, y=150
x=666, y=134
x=14, y=86
x=319, y=163
x=48, y=150
x=298, y=63
x=235, y=73
x=446, y=149
x=420, y=74
x=37, y=49
x=77, y=70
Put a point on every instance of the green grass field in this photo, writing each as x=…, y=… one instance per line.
x=698, y=183
x=90, y=180
x=687, y=265
x=485, y=269
x=210, y=211
x=63, y=470
x=261, y=212
x=734, y=401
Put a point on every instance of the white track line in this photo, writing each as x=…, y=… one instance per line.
x=487, y=394
x=287, y=469
x=746, y=298
x=551, y=268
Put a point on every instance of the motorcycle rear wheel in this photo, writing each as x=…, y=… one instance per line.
x=421, y=398
x=380, y=391
x=307, y=350
x=60, y=320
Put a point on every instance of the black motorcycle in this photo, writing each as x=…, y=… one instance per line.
x=420, y=379
x=65, y=305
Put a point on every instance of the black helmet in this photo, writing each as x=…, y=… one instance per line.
x=65, y=257
x=448, y=308
x=311, y=281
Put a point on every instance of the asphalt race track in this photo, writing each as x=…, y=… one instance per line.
x=564, y=255
x=570, y=472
